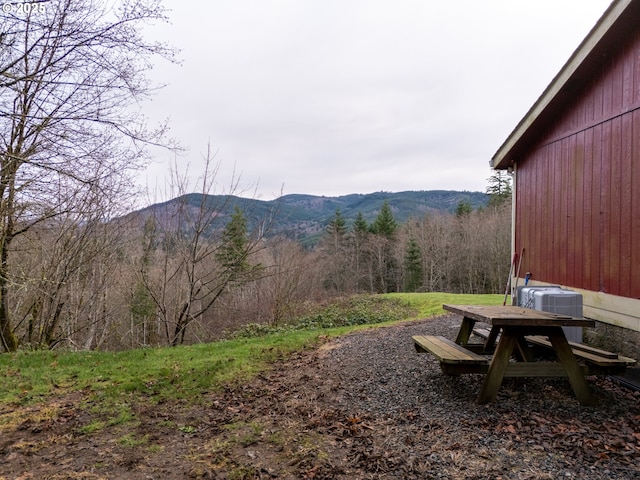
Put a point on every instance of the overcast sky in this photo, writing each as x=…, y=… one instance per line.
x=330, y=97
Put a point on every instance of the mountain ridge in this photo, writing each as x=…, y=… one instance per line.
x=304, y=216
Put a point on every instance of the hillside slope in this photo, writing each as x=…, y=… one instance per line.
x=303, y=216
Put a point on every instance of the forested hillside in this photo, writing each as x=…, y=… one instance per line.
x=304, y=217
x=193, y=268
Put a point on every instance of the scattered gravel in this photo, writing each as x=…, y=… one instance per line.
x=400, y=417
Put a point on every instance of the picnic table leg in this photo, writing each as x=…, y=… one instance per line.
x=491, y=339
x=574, y=372
x=465, y=331
x=497, y=369
x=524, y=352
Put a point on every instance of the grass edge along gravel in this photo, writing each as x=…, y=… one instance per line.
x=186, y=373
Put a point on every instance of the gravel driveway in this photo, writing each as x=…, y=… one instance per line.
x=380, y=410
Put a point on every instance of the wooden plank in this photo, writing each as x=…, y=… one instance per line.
x=535, y=369
x=481, y=332
x=530, y=369
x=634, y=206
x=593, y=257
x=509, y=315
x=447, y=351
x=588, y=354
x=465, y=331
x=463, y=368
x=578, y=236
x=561, y=212
x=493, y=337
x=605, y=209
x=497, y=369
x=570, y=364
x=574, y=205
x=614, y=236
x=625, y=188
x=554, y=243
x=477, y=348
x=604, y=362
x=590, y=278
x=524, y=351
x=555, y=369
x=540, y=340
x=595, y=351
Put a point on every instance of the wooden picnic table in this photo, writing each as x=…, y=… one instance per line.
x=512, y=324
x=517, y=331
x=509, y=326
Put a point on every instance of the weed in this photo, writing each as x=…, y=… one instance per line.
x=129, y=440
x=188, y=429
x=93, y=427
x=29, y=448
x=123, y=416
x=276, y=438
x=246, y=433
x=243, y=472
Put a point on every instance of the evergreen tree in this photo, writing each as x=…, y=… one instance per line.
x=360, y=226
x=499, y=188
x=335, y=247
x=413, y=267
x=337, y=226
x=463, y=208
x=143, y=309
x=359, y=239
x=385, y=223
x=383, y=264
x=233, y=251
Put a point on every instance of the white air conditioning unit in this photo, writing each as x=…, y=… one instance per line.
x=525, y=294
x=554, y=300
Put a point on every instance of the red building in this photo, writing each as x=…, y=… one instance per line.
x=576, y=163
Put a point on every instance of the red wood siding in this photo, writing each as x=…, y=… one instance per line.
x=578, y=190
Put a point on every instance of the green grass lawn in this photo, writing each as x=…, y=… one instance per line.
x=430, y=304
x=178, y=373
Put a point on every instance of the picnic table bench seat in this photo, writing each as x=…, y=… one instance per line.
x=482, y=332
x=589, y=354
x=454, y=359
x=599, y=362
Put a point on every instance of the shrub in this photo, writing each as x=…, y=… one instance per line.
x=339, y=312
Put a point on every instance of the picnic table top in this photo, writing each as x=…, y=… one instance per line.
x=510, y=315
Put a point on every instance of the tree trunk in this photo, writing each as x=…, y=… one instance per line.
x=9, y=340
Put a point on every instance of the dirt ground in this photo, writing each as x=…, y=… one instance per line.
x=364, y=406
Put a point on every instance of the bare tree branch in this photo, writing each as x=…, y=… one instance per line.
x=71, y=74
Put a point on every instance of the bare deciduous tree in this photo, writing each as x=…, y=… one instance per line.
x=200, y=249
x=290, y=280
x=64, y=276
x=71, y=74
